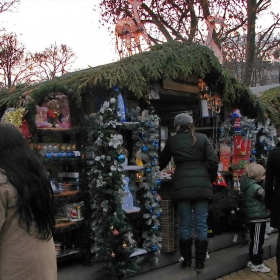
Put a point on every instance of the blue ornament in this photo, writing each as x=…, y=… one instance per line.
x=158, y=214
x=254, y=152
x=115, y=88
x=151, y=209
x=153, y=191
x=70, y=154
x=243, y=133
x=56, y=155
x=48, y=155
x=121, y=158
x=148, y=170
x=156, y=143
x=154, y=158
x=155, y=227
x=144, y=149
x=154, y=248
x=158, y=181
x=63, y=154
x=153, y=163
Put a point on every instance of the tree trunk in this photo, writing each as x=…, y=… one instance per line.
x=251, y=38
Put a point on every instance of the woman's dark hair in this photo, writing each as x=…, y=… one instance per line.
x=188, y=128
x=27, y=174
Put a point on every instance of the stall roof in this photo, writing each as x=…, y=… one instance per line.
x=172, y=61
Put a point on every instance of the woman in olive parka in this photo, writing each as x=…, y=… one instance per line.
x=196, y=168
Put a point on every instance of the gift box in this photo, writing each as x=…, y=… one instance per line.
x=239, y=162
x=241, y=146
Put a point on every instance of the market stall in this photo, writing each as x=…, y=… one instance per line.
x=120, y=116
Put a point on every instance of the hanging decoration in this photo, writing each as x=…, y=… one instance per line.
x=16, y=116
x=211, y=22
x=129, y=30
x=146, y=138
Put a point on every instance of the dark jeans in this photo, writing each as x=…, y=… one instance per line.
x=193, y=215
x=257, y=232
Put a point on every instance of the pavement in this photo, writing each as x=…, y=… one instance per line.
x=225, y=264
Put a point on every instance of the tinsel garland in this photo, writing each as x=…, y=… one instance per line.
x=146, y=139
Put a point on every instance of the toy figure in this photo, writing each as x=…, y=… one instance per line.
x=53, y=113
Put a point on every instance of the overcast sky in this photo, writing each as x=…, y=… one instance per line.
x=71, y=22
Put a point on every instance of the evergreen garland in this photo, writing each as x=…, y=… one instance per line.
x=109, y=228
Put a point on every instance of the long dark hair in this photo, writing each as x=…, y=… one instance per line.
x=189, y=128
x=28, y=175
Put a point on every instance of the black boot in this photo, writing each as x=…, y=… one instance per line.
x=186, y=252
x=200, y=253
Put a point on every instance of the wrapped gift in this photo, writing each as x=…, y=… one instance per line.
x=241, y=146
x=42, y=117
x=239, y=162
x=64, y=110
x=225, y=155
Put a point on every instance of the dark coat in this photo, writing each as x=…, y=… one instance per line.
x=253, y=199
x=272, y=186
x=196, y=166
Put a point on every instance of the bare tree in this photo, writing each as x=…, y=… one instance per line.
x=8, y=6
x=53, y=61
x=185, y=21
x=15, y=63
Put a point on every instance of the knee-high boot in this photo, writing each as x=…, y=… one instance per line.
x=186, y=252
x=200, y=253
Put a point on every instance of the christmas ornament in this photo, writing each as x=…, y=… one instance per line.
x=144, y=149
x=124, y=245
x=115, y=232
x=154, y=248
x=113, y=254
x=121, y=158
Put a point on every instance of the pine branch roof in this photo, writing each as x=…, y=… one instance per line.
x=167, y=62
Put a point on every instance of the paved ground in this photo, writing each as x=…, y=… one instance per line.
x=247, y=274
x=225, y=264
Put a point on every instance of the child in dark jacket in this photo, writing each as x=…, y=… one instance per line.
x=256, y=213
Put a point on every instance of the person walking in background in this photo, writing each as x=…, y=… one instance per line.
x=27, y=248
x=272, y=195
x=256, y=213
x=196, y=168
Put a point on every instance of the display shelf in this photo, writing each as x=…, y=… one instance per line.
x=54, y=128
x=133, y=168
x=138, y=252
x=67, y=253
x=135, y=210
x=67, y=224
x=67, y=193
